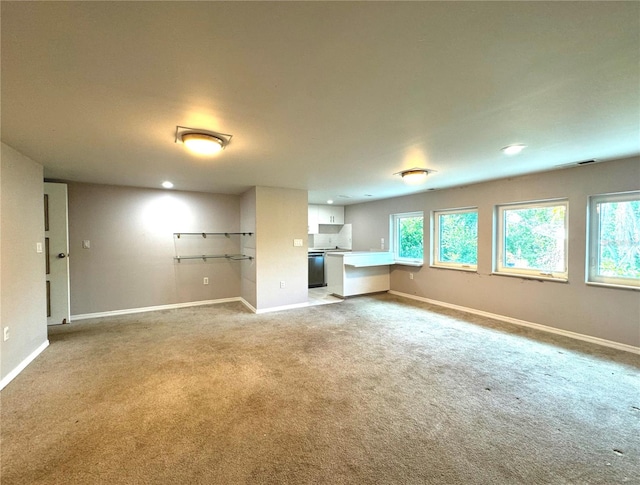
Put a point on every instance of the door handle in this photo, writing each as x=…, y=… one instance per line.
x=62, y=255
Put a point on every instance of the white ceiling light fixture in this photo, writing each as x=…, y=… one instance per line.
x=330, y=201
x=202, y=142
x=167, y=185
x=414, y=176
x=513, y=149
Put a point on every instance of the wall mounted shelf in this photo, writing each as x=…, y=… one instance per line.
x=193, y=250
x=205, y=234
x=232, y=257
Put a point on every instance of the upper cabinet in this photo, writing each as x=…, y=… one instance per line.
x=330, y=214
x=313, y=220
x=324, y=214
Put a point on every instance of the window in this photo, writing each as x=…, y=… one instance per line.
x=407, y=235
x=532, y=239
x=455, y=239
x=613, y=256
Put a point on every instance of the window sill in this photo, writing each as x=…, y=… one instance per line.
x=613, y=286
x=470, y=269
x=531, y=277
x=417, y=264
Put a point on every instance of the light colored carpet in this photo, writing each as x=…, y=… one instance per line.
x=373, y=390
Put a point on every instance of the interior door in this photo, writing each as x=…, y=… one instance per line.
x=57, y=252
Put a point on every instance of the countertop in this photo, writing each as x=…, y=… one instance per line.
x=358, y=253
x=362, y=259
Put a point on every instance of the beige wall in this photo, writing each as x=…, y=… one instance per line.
x=281, y=217
x=130, y=263
x=23, y=297
x=248, y=224
x=612, y=314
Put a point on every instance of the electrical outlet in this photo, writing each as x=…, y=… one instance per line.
x=282, y=285
x=6, y=334
x=297, y=243
x=381, y=243
x=205, y=281
x=410, y=276
x=86, y=244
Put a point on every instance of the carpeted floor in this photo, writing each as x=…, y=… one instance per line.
x=373, y=390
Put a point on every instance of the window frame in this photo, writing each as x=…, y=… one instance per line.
x=593, y=239
x=499, y=242
x=394, y=238
x=435, y=240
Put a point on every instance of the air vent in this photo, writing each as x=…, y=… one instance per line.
x=573, y=164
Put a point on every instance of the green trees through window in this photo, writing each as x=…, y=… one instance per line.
x=456, y=234
x=619, y=253
x=532, y=239
x=614, y=243
x=409, y=236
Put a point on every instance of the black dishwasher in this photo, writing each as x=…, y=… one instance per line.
x=316, y=269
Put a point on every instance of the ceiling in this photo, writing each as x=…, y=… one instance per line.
x=330, y=97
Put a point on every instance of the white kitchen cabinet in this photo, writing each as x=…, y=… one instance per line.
x=324, y=214
x=312, y=224
x=357, y=273
x=330, y=214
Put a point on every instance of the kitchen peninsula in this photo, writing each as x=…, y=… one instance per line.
x=357, y=273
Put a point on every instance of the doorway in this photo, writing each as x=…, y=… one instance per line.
x=56, y=227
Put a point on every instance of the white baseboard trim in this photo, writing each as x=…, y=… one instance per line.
x=273, y=309
x=524, y=323
x=128, y=311
x=85, y=316
x=283, y=307
x=12, y=375
x=248, y=305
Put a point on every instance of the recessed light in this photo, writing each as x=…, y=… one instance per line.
x=167, y=185
x=513, y=149
x=330, y=201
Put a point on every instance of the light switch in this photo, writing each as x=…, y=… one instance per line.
x=86, y=244
x=38, y=247
x=297, y=243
